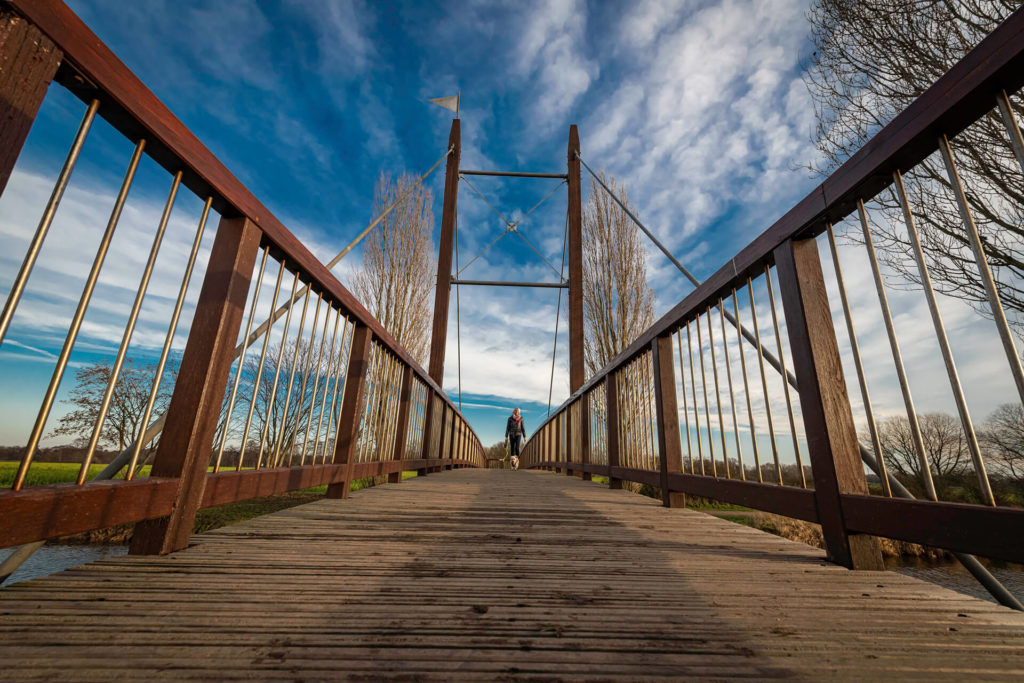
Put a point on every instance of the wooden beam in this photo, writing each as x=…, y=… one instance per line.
x=449, y=209
x=351, y=409
x=576, y=366
x=670, y=450
x=28, y=61
x=194, y=411
x=824, y=402
x=612, y=411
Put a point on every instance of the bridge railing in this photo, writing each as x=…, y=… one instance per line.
x=285, y=381
x=738, y=393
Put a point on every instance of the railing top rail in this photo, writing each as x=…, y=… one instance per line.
x=961, y=96
x=91, y=70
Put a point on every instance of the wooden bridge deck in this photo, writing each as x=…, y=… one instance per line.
x=494, y=574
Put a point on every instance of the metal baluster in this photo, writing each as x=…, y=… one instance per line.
x=154, y=392
x=291, y=379
x=649, y=436
x=316, y=379
x=764, y=382
x=18, y=287
x=1012, y=129
x=259, y=373
x=855, y=347
x=947, y=353
x=707, y=403
x=277, y=374
x=746, y=392
x=693, y=393
x=305, y=377
x=76, y=321
x=327, y=384
x=686, y=407
x=129, y=331
x=785, y=384
x=241, y=361
x=998, y=316
x=732, y=393
x=339, y=380
x=718, y=395
x=894, y=345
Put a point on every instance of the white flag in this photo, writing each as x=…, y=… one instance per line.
x=449, y=103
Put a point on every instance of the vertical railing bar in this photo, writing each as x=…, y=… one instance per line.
x=319, y=372
x=339, y=386
x=947, y=353
x=129, y=331
x=869, y=412
x=271, y=399
x=241, y=361
x=746, y=391
x=291, y=378
x=49, y=212
x=259, y=372
x=76, y=320
x=764, y=382
x=732, y=392
x=718, y=395
x=1012, y=129
x=707, y=401
x=998, y=315
x=693, y=393
x=894, y=345
x=649, y=436
x=686, y=407
x=327, y=385
x=785, y=384
x=154, y=392
x=301, y=406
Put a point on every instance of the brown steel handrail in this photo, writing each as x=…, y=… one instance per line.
x=972, y=88
x=93, y=73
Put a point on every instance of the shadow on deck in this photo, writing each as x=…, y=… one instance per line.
x=495, y=574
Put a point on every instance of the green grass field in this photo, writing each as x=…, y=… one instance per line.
x=51, y=473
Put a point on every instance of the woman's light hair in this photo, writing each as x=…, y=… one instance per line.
x=515, y=411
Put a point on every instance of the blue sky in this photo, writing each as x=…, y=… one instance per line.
x=697, y=106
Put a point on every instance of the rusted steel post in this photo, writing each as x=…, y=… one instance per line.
x=576, y=368
x=402, y=428
x=828, y=420
x=184, y=450
x=428, y=432
x=611, y=394
x=28, y=61
x=439, y=331
x=351, y=409
x=585, y=435
x=670, y=447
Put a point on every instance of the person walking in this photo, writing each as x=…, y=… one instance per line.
x=515, y=430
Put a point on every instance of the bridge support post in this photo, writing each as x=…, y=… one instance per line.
x=30, y=60
x=828, y=420
x=670, y=448
x=612, y=411
x=585, y=435
x=439, y=330
x=184, y=450
x=351, y=410
x=575, y=247
x=402, y=428
x=428, y=434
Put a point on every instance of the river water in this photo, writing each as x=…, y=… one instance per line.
x=51, y=559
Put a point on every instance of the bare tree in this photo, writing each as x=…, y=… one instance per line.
x=397, y=276
x=127, y=404
x=618, y=304
x=944, y=445
x=1003, y=435
x=871, y=59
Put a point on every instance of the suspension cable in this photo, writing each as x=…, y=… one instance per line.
x=558, y=314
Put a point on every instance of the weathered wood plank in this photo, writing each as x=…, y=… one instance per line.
x=495, y=574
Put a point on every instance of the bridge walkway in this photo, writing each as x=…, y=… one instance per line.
x=495, y=574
